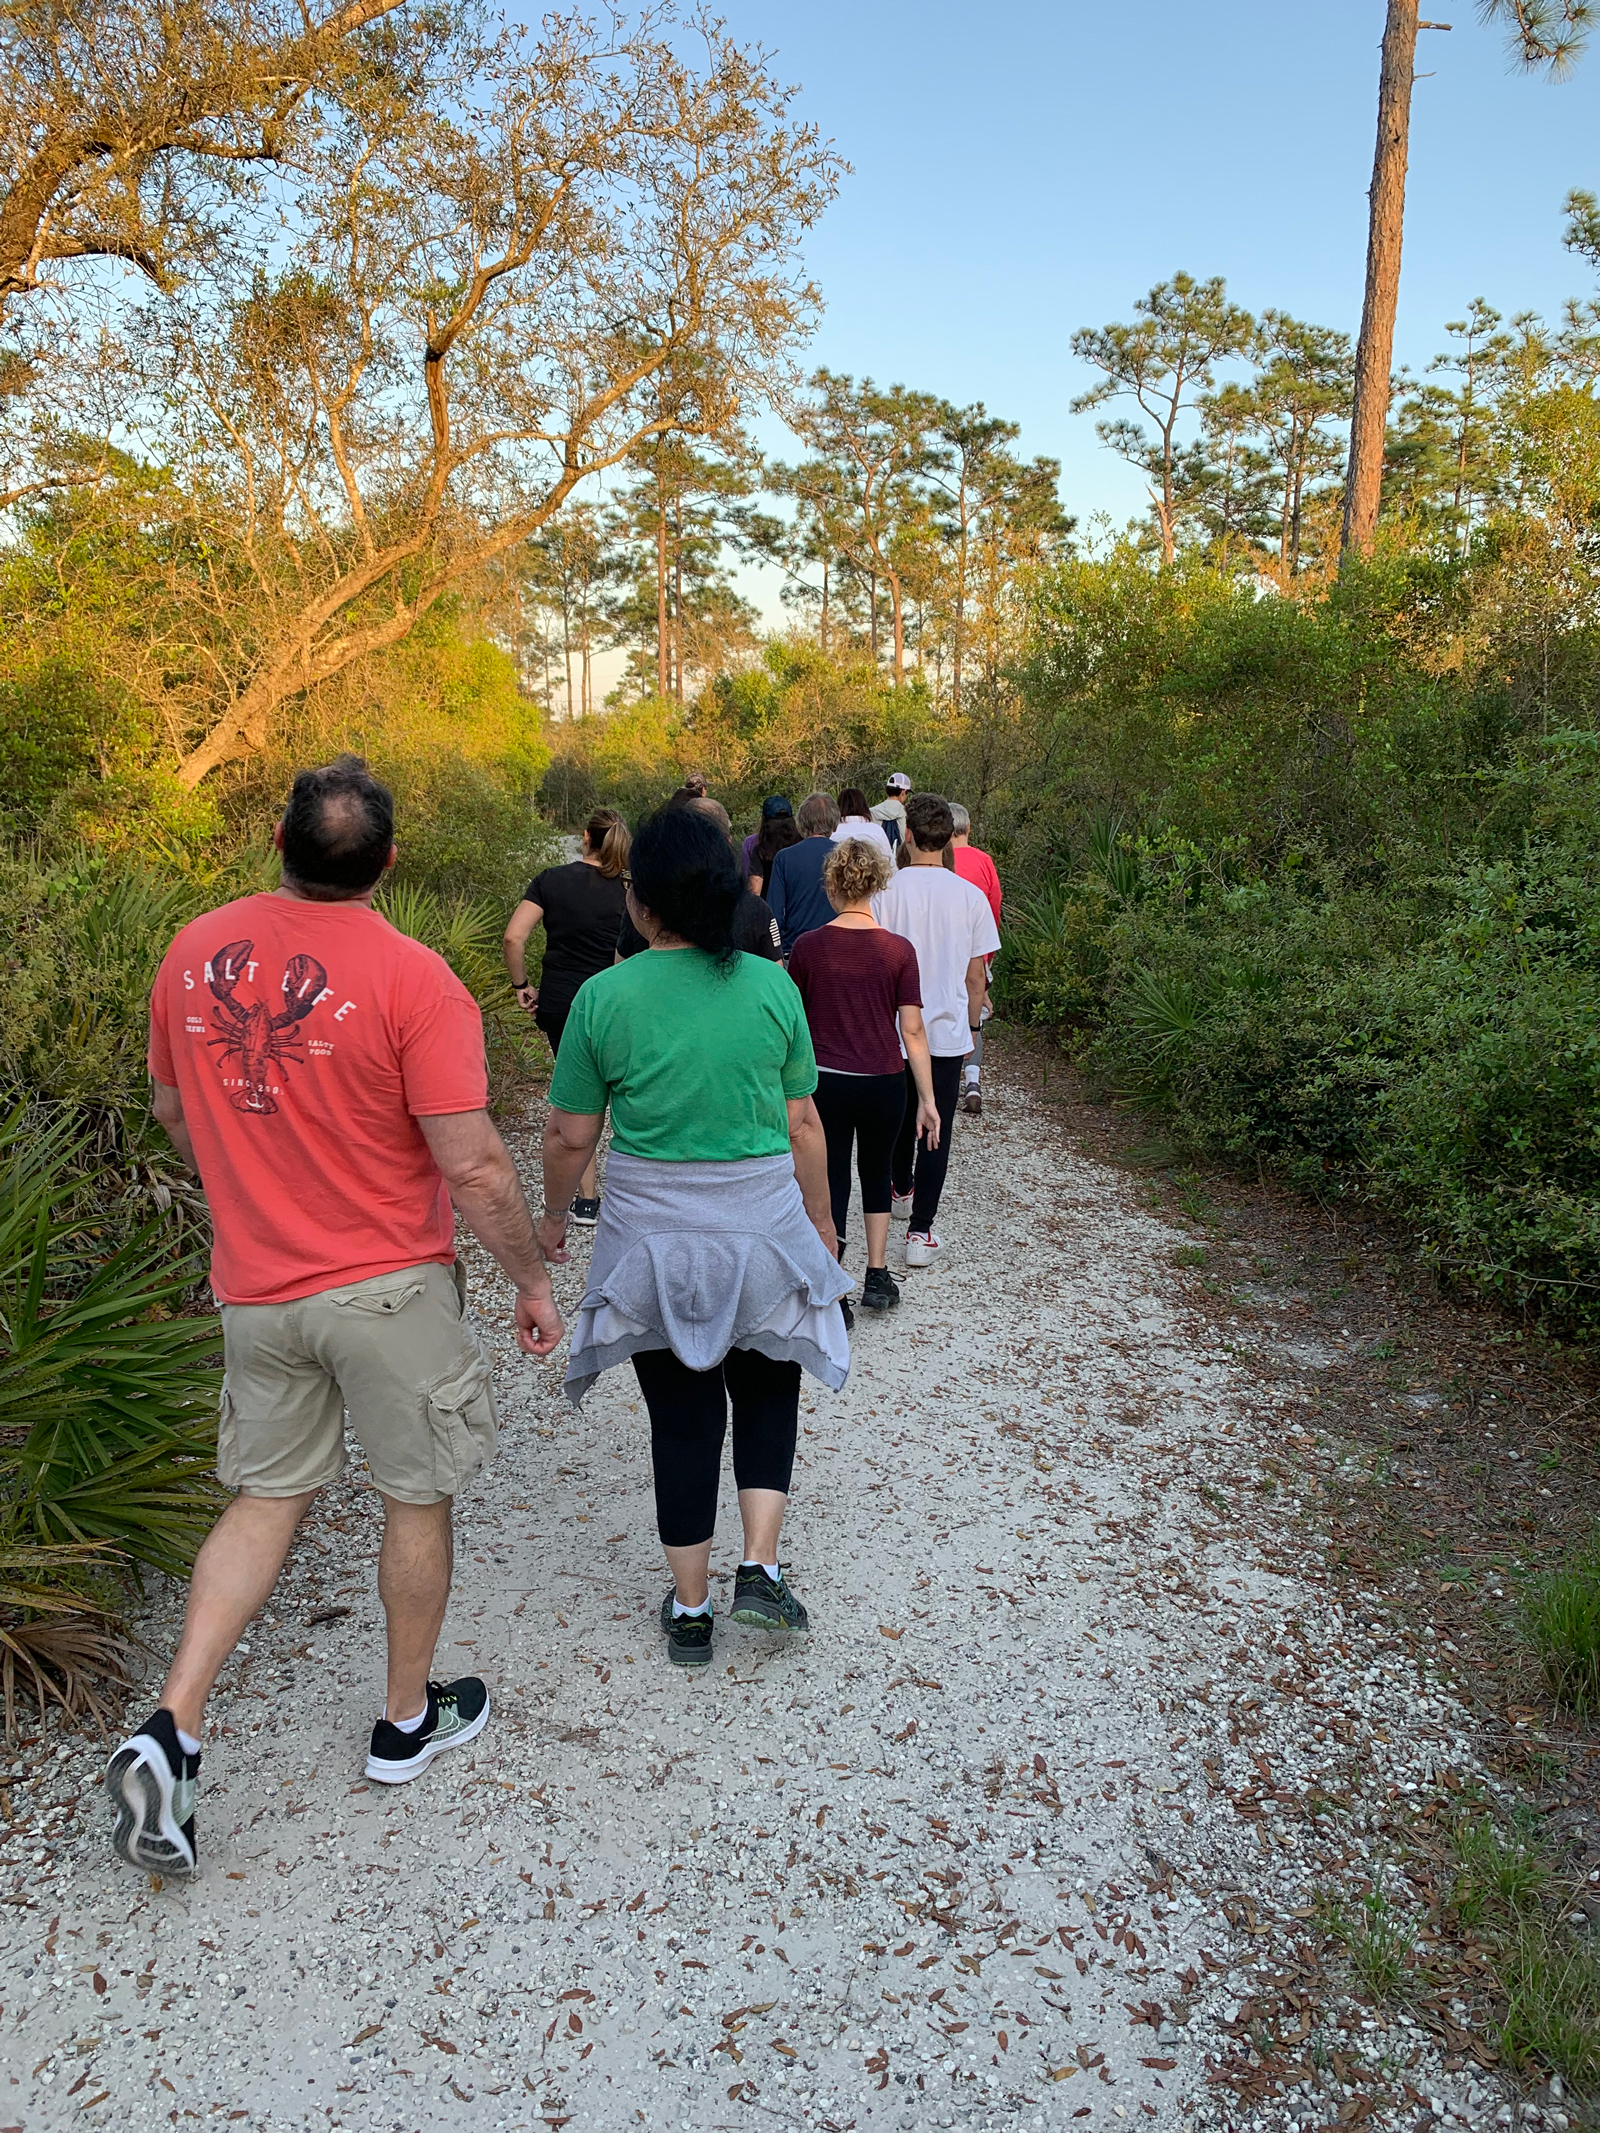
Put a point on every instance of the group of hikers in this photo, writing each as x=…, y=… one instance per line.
x=753, y=1020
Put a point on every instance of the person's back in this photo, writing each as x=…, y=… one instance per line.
x=795, y=891
x=306, y=1040
x=692, y=1054
x=948, y=922
x=978, y=868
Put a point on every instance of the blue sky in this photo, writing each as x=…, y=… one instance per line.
x=1023, y=169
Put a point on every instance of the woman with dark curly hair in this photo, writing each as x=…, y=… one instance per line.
x=714, y=1267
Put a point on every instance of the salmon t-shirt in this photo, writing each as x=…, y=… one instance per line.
x=306, y=1040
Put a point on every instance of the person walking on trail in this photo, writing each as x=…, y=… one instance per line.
x=714, y=1268
x=324, y=1075
x=777, y=834
x=950, y=925
x=580, y=906
x=978, y=868
x=755, y=930
x=859, y=984
x=795, y=892
x=891, y=809
x=771, y=807
x=855, y=820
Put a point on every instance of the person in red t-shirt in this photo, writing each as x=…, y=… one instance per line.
x=324, y=1075
x=978, y=868
x=863, y=1002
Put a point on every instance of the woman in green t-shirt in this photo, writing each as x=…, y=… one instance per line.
x=714, y=1267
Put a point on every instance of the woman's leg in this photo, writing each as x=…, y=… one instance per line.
x=835, y=1108
x=880, y=1104
x=688, y=1420
x=766, y=1422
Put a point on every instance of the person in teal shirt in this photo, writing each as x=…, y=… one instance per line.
x=715, y=1268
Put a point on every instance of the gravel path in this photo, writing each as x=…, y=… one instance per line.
x=1016, y=1840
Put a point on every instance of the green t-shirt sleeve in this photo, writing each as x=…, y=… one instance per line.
x=800, y=1066
x=578, y=1084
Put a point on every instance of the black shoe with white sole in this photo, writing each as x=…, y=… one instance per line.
x=151, y=1785
x=457, y=1712
x=585, y=1213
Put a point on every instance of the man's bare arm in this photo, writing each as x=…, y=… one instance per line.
x=168, y=1108
x=488, y=1195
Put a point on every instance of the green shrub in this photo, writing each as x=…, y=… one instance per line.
x=1561, y=1615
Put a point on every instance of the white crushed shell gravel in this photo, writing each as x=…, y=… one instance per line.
x=1007, y=1843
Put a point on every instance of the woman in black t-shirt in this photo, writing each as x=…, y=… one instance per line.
x=580, y=907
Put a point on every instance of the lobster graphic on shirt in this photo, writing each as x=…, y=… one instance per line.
x=258, y=1039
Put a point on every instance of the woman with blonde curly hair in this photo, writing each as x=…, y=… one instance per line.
x=863, y=1004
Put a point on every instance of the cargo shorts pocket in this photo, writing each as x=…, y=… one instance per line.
x=381, y=1299
x=462, y=1419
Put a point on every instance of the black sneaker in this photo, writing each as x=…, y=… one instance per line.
x=688, y=1636
x=458, y=1711
x=151, y=1785
x=761, y=1602
x=586, y=1213
x=880, y=1291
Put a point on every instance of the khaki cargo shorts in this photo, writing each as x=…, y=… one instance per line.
x=393, y=1351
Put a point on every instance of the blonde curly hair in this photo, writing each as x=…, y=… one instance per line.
x=854, y=870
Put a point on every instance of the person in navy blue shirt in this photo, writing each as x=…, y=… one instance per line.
x=799, y=901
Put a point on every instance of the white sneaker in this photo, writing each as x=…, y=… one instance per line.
x=922, y=1247
x=899, y=1204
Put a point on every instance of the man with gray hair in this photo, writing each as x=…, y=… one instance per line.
x=978, y=868
x=795, y=892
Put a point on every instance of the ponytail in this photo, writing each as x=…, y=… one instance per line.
x=607, y=837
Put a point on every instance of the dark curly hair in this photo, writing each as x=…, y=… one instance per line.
x=338, y=826
x=684, y=874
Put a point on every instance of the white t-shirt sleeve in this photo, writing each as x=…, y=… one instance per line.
x=985, y=933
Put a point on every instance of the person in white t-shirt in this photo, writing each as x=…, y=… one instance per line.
x=950, y=925
x=855, y=820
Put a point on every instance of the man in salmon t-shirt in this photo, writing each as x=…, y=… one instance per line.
x=325, y=1077
x=978, y=868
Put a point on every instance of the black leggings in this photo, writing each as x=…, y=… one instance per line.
x=926, y=1183
x=865, y=1109
x=688, y=1418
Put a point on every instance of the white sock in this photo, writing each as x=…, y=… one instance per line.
x=678, y=1607
x=409, y=1725
x=770, y=1568
x=969, y=1076
x=187, y=1741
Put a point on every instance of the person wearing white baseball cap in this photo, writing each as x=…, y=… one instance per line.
x=891, y=812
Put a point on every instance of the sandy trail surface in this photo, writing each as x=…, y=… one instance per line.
x=1015, y=1839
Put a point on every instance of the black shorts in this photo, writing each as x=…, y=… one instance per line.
x=552, y=1021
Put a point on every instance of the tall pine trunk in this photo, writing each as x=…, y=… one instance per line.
x=1386, y=228
x=661, y=590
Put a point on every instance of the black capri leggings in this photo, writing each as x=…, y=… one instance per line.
x=688, y=1419
x=925, y=1181
x=865, y=1109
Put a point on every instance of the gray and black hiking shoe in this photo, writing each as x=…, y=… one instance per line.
x=761, y=1602
x=586, y=1213
x=688, y=1636
x=458, y=1711
x=151, y=1785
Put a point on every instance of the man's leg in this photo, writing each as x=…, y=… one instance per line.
x=932, y=1163
x=414, y=1569
x=234, y=1574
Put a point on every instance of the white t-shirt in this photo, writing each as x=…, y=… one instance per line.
x=864, y=833
x=948, y=922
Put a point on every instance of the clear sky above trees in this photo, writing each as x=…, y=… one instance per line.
x=1032, y=168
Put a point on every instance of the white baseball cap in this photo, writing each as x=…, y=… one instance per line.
x=897, y=781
